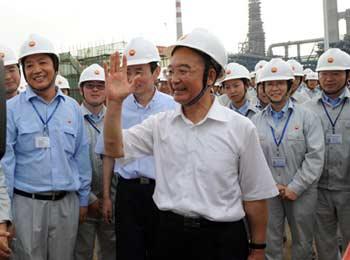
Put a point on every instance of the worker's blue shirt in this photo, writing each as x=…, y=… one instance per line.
x=278, y=116
x=63, y=163
x=333, y=102
x=132, y=114
x=243, y=110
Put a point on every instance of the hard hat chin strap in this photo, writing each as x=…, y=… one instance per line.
x=204, y=89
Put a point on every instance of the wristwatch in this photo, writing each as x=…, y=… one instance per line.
x=257, y=246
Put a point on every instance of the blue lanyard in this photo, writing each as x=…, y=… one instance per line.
x=283, y=133
x=329, y=117
x=88, y=119
x=45, y=123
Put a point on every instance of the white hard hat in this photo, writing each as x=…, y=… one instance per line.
x=37, y=44
x=312, y=76
x=276, y=69
x=307, y=71
x=252, y=74
x=297, y=68
x=260, y=65
x=93, y=72
x=141, y=51
x=21, y=88
x=163, y=75
x=62, y=82
x=235, y=71
x=333, y=59
x=202, y=40
x=8, y=56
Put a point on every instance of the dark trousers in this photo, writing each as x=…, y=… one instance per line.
x=136, y=219
x=182, y=238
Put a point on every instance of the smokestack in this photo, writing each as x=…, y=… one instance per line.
x=178, y=19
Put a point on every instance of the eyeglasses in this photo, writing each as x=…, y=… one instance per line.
x=91, y=86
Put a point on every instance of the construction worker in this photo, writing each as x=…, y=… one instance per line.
x=296, y=96
x=5, y=218
x=162, y=83
x=92, y=89
x=206, y=180
x=312, y=88
x=12, y=71
x=333, y=106
x=136, y=213
x=63, y=84
x=45, y=161
x=290, y=139
x=236, y=83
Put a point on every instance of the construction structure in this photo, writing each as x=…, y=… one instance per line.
x=75, y=60
x=178, y=19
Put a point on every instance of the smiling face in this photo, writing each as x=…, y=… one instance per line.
x=39, y=70
x=276, y=90
x=332, y=82
x=186, y=71
x=94, y=92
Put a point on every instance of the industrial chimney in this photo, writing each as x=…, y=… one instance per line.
x=178, y=19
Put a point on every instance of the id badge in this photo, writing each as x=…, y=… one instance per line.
x=278, y=162
x=334, y=139
x=42, y=142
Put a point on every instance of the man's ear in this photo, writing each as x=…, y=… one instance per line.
x=211, y=77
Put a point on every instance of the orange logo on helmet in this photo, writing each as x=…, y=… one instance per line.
x=274, y=69
x=228, y=72
x=31, y=43
x=97, y=72
x=132, y=52
x=330, y=60
x=2, y=55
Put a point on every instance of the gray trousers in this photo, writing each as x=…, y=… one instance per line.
x=333, y=212
x=87, y=233
x=45, y=230
x=300, y=215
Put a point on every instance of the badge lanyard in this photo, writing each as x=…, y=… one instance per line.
x=329, y=117
x=283, y=133
x=45, y=123
x=88, y=119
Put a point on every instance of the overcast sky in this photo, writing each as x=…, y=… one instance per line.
x=81, y=23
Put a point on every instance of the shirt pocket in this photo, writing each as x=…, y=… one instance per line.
x=69, y=138
x=27, y=133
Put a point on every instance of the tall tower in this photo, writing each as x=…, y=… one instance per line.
x=178, y=19
x=256, y=34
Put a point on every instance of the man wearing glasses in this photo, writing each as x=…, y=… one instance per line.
x=92, y=88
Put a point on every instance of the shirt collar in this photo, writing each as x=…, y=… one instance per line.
x=154, y=99
x=30, y=94
x=243, y=109
x=86, y=111
x=216, y=112
x=288, y=106
x=337, y=101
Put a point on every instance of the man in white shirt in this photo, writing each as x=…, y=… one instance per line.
x=206, y=182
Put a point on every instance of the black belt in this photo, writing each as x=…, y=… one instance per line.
x=191, y=222
x=56, y=195
x=141, y=180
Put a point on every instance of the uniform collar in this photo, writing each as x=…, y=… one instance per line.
x=30, y=94
x=334, y=102
x=243, y=109
x=86, y=111
x=288, y=106
x=154, y=99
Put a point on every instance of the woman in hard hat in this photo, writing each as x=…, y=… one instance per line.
x=12, y=72
x=263, y=100
x=236, y=83
x=290, y=138
x=206, y=181
x=333, y=107
x=312, y=88
x=162, y=82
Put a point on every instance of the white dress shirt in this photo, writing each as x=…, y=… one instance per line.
x=205, y=169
